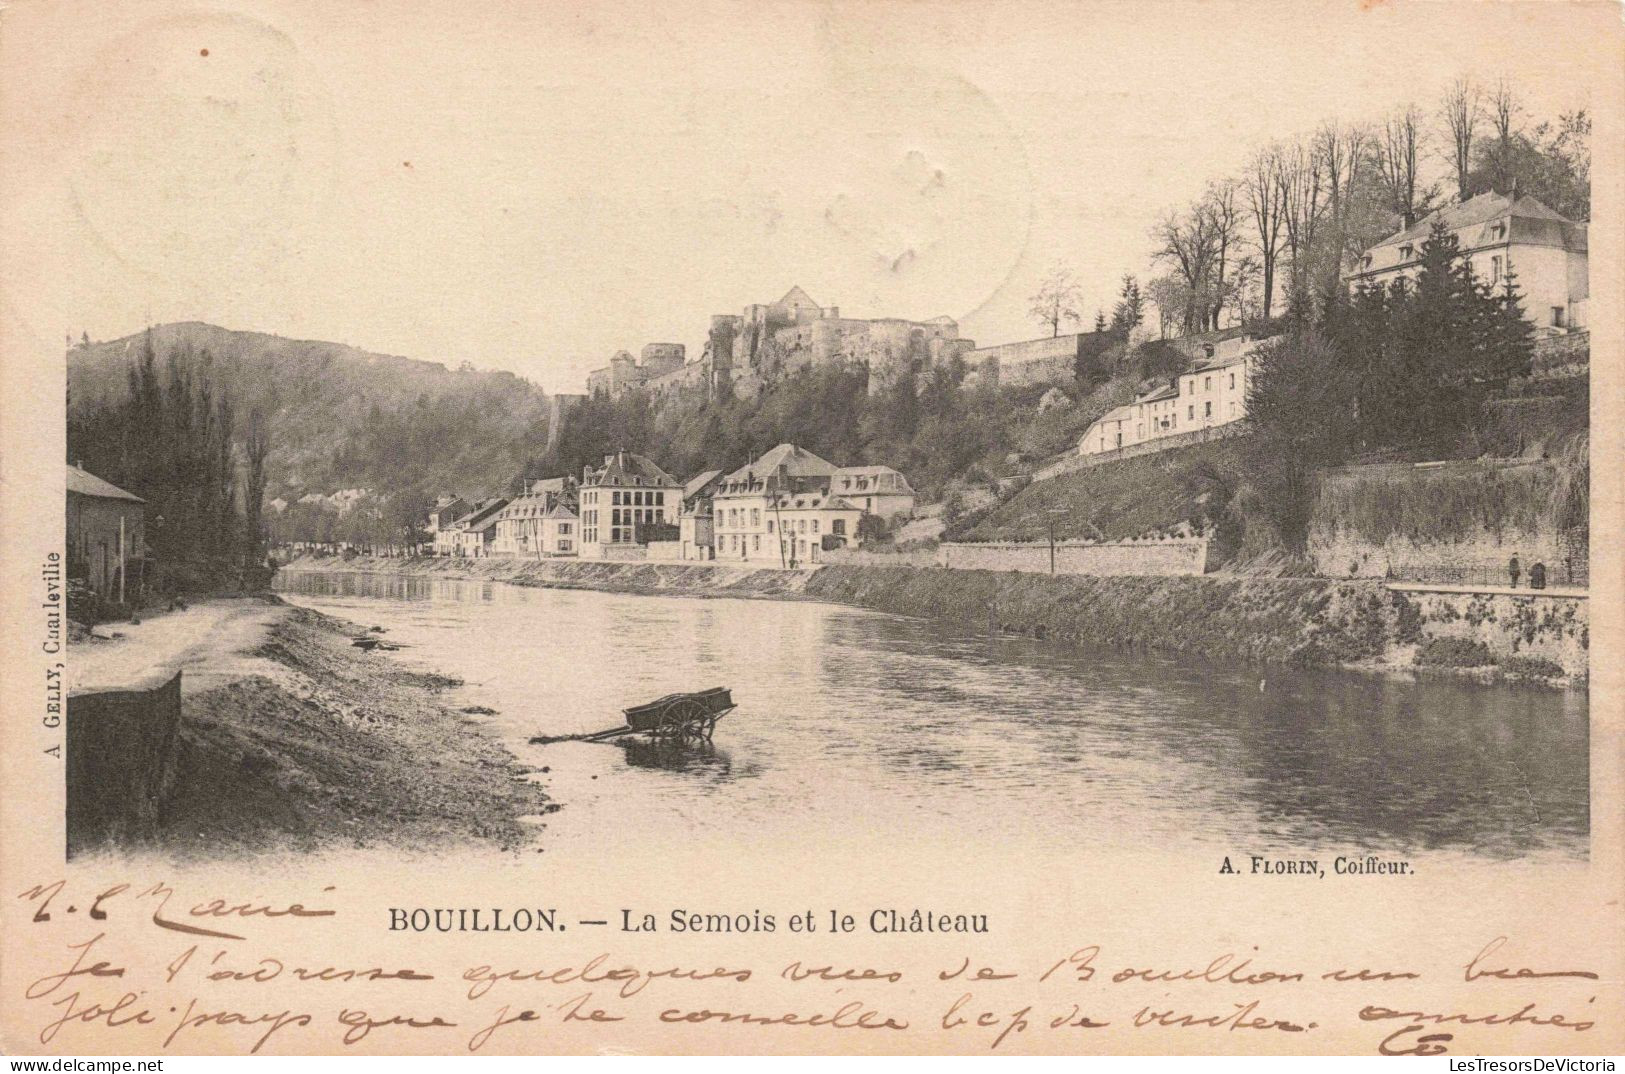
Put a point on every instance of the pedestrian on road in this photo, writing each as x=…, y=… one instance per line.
x=1514, y=569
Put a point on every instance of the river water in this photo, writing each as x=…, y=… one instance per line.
x=855, y=727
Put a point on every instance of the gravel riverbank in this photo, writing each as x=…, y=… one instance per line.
x=293, y=739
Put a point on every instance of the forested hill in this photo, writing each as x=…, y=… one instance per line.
x=340, y=417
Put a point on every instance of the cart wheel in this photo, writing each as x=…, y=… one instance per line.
x=684, y=718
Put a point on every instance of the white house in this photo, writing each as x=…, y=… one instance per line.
x=1213, y=392
x=625, y=495
x=1498, y=233
x=878, y=490
x=780, y=510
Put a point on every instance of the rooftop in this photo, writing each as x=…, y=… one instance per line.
x=82, y=482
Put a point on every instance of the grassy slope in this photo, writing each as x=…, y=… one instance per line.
x=1131, y=498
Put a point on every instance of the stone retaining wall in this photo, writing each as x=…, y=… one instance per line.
x=121, y=762
x=1073, y=462
x=1176, y=556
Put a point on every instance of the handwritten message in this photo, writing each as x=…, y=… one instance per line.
x=144, y=968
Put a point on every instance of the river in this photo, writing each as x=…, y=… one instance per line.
x=859, y=728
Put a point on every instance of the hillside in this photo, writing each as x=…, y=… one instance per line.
x=341, y=417
x=1152, y=494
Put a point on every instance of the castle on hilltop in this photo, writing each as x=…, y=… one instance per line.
x=748, y=351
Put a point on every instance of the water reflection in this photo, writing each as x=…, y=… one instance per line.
x=850, y=719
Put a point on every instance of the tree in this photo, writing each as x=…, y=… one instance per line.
x=1057, y=300
x=1302, y=185
x=1129, y=313
x=1220, y=207
x=1187, y=242
x=1300, y=405
x=1266, y=202
x=1398, y=150
x=1100, y=321
x=256, y=446
x=1459, y=114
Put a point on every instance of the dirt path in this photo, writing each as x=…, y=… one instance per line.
x=292, y=740
x=212, y=642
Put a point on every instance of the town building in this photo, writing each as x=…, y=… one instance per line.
x=876, y=490
x=779, y=510
x=106, y=531
x=1498, y=234
x=474, y=534
x=627, y=498
x=695, y=530
x=1212, y=392
x=446, y=510
x=539, y=521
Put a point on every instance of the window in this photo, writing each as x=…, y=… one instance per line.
x=1495, y=270
x=1232, y=380
x=1557, y=316
x=1207, y=409
x=838, y=527
x=1405, y=252
x=615, y=498
x=1498, y=231
x=770, y=525
x=815, y=525
x=1207, y=384
x=1190, y=412
x=756, y=542
x=1232, y=410
x=755, y=516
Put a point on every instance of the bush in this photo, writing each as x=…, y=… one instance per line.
x=1532, y=667
x=1455, y=653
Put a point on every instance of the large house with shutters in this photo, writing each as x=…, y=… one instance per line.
x=627, y=498
x=1498, y=234
x=780, y=510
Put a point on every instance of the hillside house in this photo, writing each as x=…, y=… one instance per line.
x=106, y=545
x=1498, y=234
x=627, y=494
x=1211, y=393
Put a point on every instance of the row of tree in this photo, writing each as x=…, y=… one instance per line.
x=173, y=440
x=1280, y=234
x=1276, y=237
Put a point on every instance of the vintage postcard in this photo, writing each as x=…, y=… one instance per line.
x=989, y=527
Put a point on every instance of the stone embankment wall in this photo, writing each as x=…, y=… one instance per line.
x=1164, y=558
x=1298, y=621
x=121, y=761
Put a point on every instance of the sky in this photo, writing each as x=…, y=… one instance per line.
x=533, y=187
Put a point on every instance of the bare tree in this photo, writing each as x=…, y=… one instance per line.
x=1057, y=299
x=1188, y=243
x=1504, y=109
x=1302, y=183
x=1460, y=112
x=1224, y=222
x=1264, y=200
x=1401, y=143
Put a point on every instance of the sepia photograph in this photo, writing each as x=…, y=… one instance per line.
x=714, y=473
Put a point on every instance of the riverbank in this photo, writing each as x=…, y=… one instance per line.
x=291, y=739
x=1295, y=621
